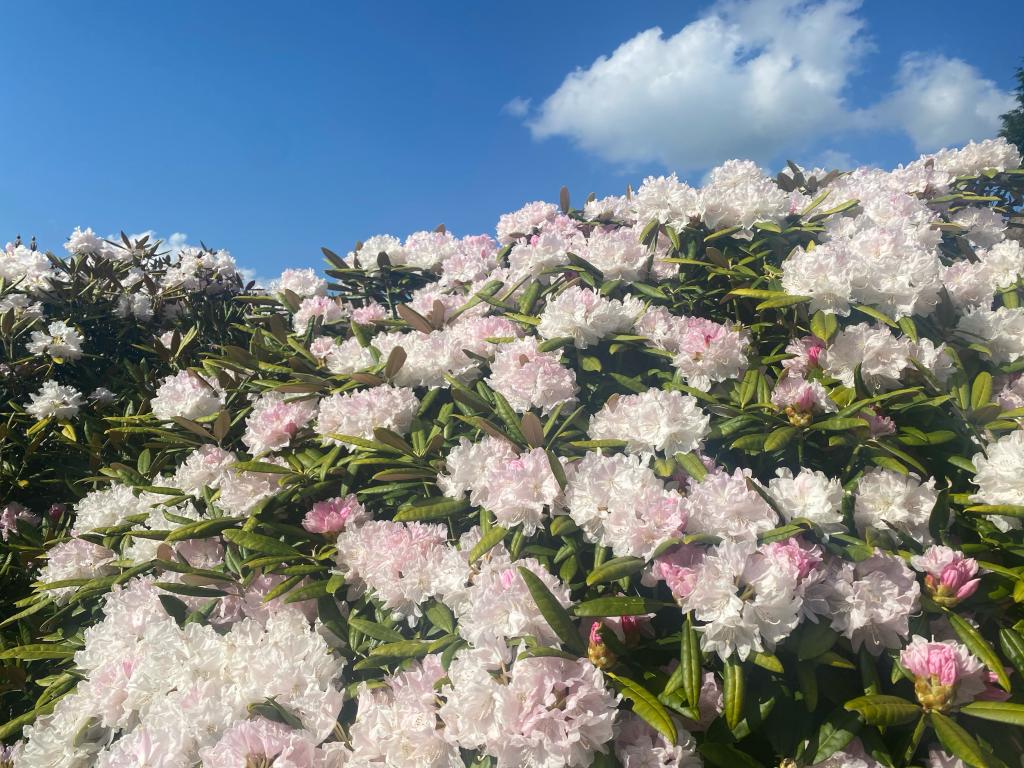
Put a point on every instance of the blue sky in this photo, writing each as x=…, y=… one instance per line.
x=276, y=129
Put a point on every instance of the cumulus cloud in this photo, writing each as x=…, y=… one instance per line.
x=939, y=102
x=517, y=107
x=758, y=79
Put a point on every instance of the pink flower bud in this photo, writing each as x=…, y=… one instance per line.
x=949, y=576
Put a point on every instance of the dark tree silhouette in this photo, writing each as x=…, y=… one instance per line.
x=1013, y=121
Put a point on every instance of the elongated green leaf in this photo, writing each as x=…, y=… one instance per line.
x=1000, y=711
x=617, y=606
x=878, y=709
x=646, y=705
x=260, y=543
x=733, y=691
x=203, y=529
x=402, y=649
x=487, y=542
x=554, y=614
x=958, y=741
x=979, y=647
x=690, y=662
x=36, y=651
x=615, y=569
x=432, y=509
x=375, y=630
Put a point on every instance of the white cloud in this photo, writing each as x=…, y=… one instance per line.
x=940, y=101
x=517, y=107
x=757, y=79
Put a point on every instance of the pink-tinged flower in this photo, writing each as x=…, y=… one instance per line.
x=274, y=421
x=332, y=515
x=800, y=398
x=369, y=314
x=260, y=742
x=806, y=352
x=879, y=424
x=945, y=674
x=11, y=515
x=949, y=576
x=678, y=569
x=795, y=556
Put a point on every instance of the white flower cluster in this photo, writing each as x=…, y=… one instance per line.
x=165, y=695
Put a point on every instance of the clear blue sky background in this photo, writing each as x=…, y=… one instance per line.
x=273, y=128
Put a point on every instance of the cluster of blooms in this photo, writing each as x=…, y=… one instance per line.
x=556, y=498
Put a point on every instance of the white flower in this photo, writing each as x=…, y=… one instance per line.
x=55, y=400
x=496, y=605
x=882, y=356
x=60, y=341
x=29, y=270
x=516, y=488
x=402, y=564
x=186, y=394
x=1000, y=476
x=74, y=559
x=873, y=600
x=620, y=503
x=83, y=243
x=738, y=195
x=1001, y=330
x=705, y=352
x=638, y=745
x=733, y=624
x=887, y=500
x=358, y=413
x=528, y=378
x=522, y=222
x=668, y=421
x=667, y=200
x=587, y=317
x=302, y=282
x=811, y=494
x=724, y=505
x=551, y=713
x=274, y=421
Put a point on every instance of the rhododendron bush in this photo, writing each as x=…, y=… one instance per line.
x=728, y=476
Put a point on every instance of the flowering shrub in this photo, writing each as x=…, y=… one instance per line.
x=730, y=476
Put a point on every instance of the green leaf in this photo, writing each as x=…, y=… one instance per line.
x=402, y=649
x=839, y=424
x=1000, y=711
x=554, y=614
x=487, y=542
x=260, y=543
x=646, y=705
x=779, y=438
x=981, y=390
x=733, y=691
x=957, y=741
x=823, y=325
x=1011, y=642
x=979, y=646
x=38, y=651
x=815, y=639
x=1005, y=510
x=726, y=756
x=617, y=606
x=614, y=569
x=835, y=733
x=689, y=661
x=692, y=464
x=431, y=509
x=440, y=616
x=883, y=710
x=375, y=630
